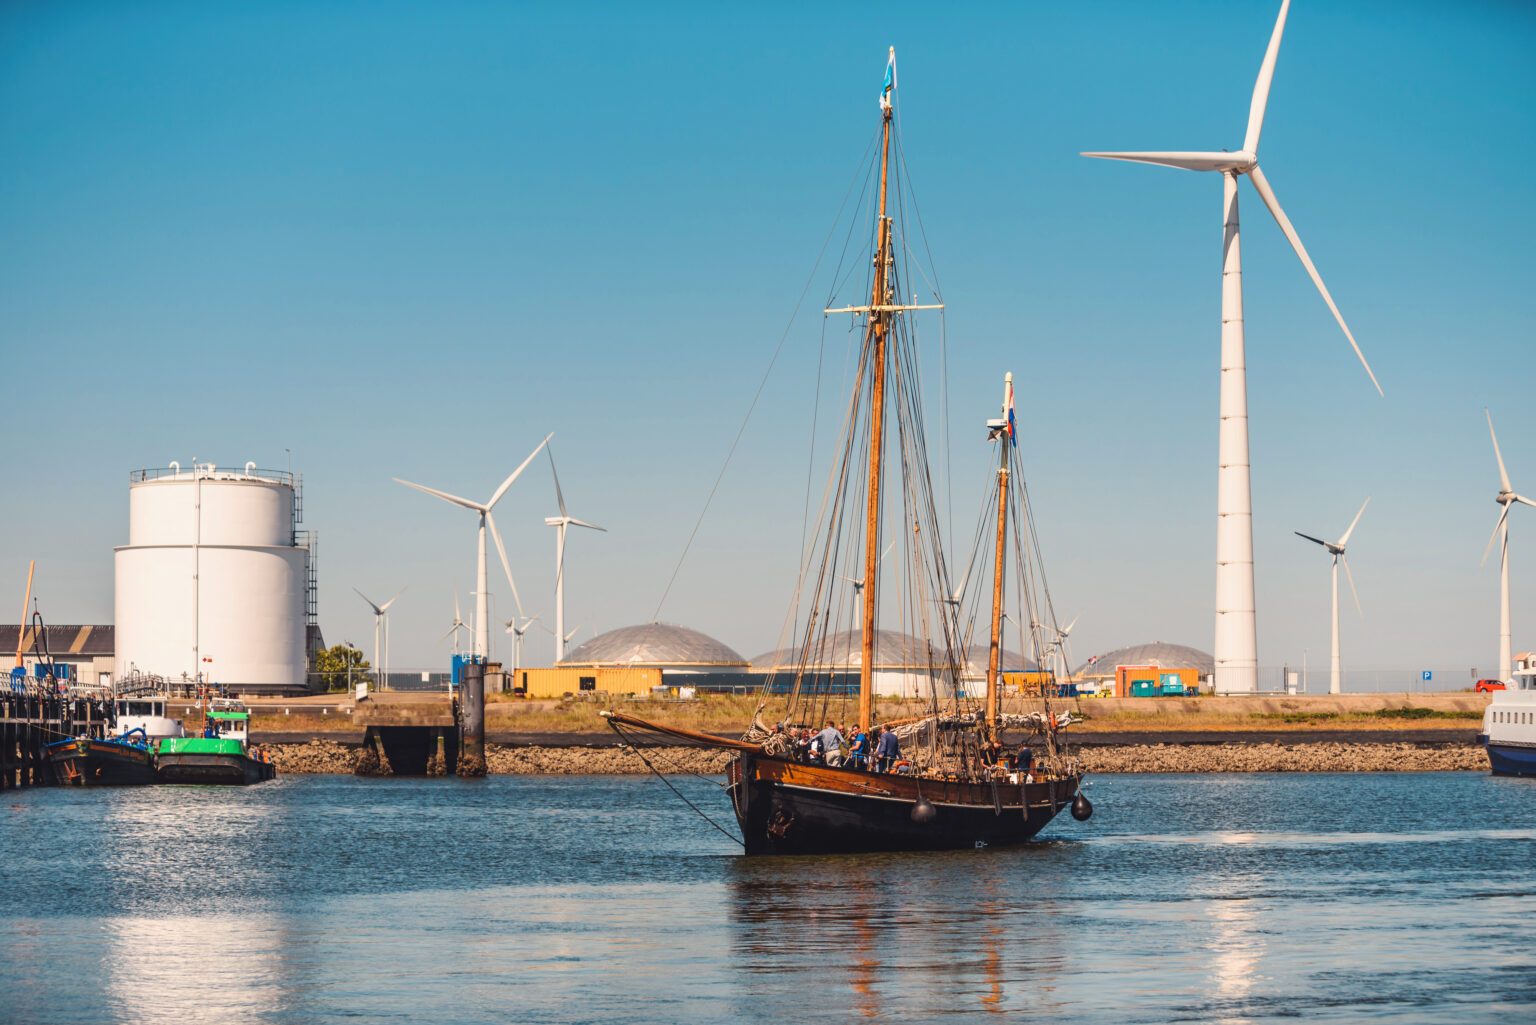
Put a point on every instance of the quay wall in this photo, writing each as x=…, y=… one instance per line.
x=327, y=756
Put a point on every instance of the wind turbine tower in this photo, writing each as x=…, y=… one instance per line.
x=1506, y=498
x=380, y=629
x=1236, y=646
x=1336, y=549
x=482, y=614
x=560, y=523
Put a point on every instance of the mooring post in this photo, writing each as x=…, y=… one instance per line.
x=437, y=760
x=472, y=719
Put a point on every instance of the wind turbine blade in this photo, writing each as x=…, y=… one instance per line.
x=445, y=496
x=1345, y=539
x=456, y=617
x=1351, y=578
x=1183, y=160
x=1309, y=537
x=1261, y=87
x=584, y=523
x=508, y=482
x=451, y=631
x=1523, y=499
x=1503, y=473
x=559, y=495
x=1068, y=628
x=392, y=600
x=371, y=605
x=1494, y=536
x=1268, y=195
x=506, y=567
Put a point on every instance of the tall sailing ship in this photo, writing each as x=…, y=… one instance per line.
x=950, y=787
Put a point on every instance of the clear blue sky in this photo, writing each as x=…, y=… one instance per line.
x=410, y=240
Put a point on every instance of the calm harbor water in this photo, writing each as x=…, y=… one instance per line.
x=1244, y=898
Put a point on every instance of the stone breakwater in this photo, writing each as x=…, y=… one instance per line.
x=1320, y=757
x=324, y=756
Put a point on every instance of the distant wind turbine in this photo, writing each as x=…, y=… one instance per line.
x=380, y=630
x=858, y=582
x=458, y=624
x=1237, y=651
x=517, y=626
x=482, y=614
x=560, y=523
x=1506, y=498
x=1336, y=549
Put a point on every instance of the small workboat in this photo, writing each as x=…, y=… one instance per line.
x=222, y=756
x=126, y=755
x=118, y=761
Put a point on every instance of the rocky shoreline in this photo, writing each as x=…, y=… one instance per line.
x=327, y=756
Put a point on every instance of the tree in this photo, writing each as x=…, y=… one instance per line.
x=340, y=667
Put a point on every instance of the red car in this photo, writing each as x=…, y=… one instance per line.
x=1484, y=686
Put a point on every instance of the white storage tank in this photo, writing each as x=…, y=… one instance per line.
x=214, y=569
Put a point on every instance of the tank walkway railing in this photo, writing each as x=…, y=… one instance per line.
x=208, y=471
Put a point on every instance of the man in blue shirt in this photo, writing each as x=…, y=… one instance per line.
x=887, y=752
x=858, y=750
x=831, y=744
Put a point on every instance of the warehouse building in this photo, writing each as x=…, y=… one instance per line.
x=82, y=654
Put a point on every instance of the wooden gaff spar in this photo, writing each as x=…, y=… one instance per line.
x=950, y=789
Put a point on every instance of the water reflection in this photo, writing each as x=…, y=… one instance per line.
x=934, y=932
x=187, y=967
x=1236, y=946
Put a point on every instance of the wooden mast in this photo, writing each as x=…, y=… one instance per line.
x=1004, y=432
x=877, y=327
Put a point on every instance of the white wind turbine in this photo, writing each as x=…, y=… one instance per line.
x=458, y=624
x=560, y=523
x=858, y=582
x=1336, y=549
x=1236, y=646
x=1507, y=498
x=1060, y=644
x=482, y=615
x=517, y=626
x=380, y=630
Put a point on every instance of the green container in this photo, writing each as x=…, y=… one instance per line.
x=1143, y=689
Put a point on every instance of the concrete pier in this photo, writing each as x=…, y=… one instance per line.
x=32, y=718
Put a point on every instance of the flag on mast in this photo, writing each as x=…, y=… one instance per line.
x=890, y=81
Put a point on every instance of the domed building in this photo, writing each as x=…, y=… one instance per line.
x=640, y=659
x=904, y=666
x=663, y=646
x=1191, y=665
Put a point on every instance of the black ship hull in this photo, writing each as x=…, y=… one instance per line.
x=784, y=807
x=212, y=769
x=100, y=763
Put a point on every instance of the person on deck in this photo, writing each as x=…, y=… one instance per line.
x=831, y=744
x=858, y=751
x=887, y=751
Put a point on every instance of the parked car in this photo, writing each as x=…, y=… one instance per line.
x=1484, y=686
